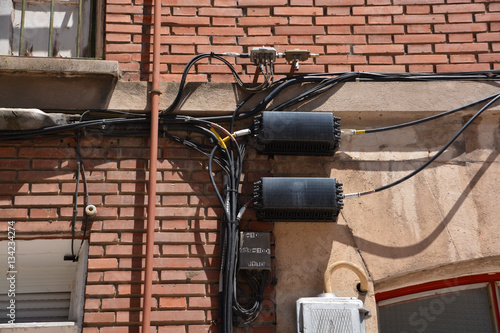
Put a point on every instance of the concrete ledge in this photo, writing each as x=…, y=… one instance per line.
x=222, y=98
x=57, y=83
x=48, y=327
x=58, y=66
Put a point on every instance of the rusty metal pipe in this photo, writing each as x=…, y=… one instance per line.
x=153, y=160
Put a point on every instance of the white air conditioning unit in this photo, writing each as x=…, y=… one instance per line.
x=328, y=313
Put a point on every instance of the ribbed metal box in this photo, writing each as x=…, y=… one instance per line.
x=298, y=199
x=296, y=133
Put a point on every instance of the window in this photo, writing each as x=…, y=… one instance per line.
x=466, y=304
x=48, y=290
x=48, y=28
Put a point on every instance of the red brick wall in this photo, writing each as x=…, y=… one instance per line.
x=37, y=184
x=350, y=35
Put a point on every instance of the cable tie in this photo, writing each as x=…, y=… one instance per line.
x=156, y=91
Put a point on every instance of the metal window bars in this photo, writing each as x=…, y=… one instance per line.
x=53, y=3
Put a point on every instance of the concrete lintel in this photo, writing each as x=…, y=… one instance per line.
x=222, y=98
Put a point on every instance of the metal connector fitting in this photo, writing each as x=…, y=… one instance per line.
x=242, y=132
x=294, y=56
x=263, y=55
x=348, y=132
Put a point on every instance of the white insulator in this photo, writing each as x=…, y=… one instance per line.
x=90, y=210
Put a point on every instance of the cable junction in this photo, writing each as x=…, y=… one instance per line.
x=225, y=147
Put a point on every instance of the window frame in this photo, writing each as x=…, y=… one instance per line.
x=77, y=300
x=419, y=291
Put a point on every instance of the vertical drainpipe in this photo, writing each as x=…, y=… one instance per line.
x=153, y=159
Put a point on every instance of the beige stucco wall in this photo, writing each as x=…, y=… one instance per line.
x=440, y=224
x=447, y=214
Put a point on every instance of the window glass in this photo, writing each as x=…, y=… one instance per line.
x=454, y=312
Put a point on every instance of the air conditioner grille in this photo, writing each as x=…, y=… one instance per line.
x=331, y=320
x=328, y=313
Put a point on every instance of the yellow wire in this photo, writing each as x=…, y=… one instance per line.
x=227, y=138
x=221, y=141
x=360, y=132
x=222, y=129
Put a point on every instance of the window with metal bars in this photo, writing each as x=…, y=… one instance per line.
x=48, y=28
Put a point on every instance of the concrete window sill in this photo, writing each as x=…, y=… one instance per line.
x=57, y=83
x=49, y=327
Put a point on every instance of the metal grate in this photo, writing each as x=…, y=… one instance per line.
x=331, y=321
x=330, y=314
x=64, y=25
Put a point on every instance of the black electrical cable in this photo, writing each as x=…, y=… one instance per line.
x=232, y=154
x=419, y=121
x=423, y=166
x=261, y=106
x=329, y=83
x=219, y=57
x=487, y=75
x=239, y=307
x=103, y=123
x=195, y=146
x=75, y=211
x=321, y=88
x=118, y=112
x=235, y=113
x=212, y=181
x=87, y=197
x=231, y=163
x=247, y=312
x=80, y=171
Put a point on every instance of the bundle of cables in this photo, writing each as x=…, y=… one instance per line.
x=241, y=302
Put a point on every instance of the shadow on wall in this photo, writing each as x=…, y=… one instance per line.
x=409, y=251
